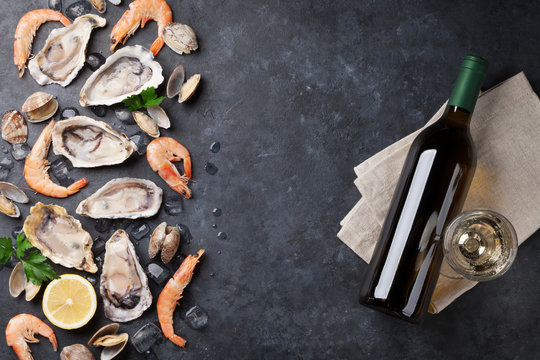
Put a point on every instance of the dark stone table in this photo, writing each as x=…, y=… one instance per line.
x=298, y=93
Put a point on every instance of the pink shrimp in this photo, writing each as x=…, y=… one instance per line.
x=139, y=12
x=26, y=29
x=171, y=293
x=21, y=329
x=36, y=166
x=160, y=152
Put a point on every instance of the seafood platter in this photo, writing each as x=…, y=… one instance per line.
x=69, y=276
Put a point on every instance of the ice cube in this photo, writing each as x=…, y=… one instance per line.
x=211, y=168
x=68, y=112
x=103, y=225
x=20, y=151
x=145, y=337
x=92, y=280
x=99, y=110
x=98, y=246
x=173, y=204
x=222, y=235
x=55, y=5
x=217, y=212
x=4, y=173
x=138, y=229
x=4, y=150
x=141, y=140
x=158, y=273
x=6, y=163
x=77, y=9
x=16, y=231
x=60, y=170
x=124, y=115
x=215, y=147
x=94, y=61
x=196, y=318
x=185, y=234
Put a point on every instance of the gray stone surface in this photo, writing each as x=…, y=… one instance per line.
x=298, y=93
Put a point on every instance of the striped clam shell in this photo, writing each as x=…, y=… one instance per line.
x=14, y=129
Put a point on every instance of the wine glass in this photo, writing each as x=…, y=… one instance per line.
x=480, y=244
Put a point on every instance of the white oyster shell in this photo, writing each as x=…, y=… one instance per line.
x=64, y=52
x=123, y=283
x=90, y=143
x=126, y=72
x=60, y=237
x=128, y=198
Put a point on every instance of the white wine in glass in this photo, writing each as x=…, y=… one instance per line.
x=480, y=244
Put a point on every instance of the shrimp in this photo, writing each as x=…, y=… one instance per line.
x=26, y=29
x=160, y=152
x=171, y=293
x=36, y=166
x=21, y=329
x=139, y=12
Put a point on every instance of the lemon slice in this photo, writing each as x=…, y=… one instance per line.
x=69, y=302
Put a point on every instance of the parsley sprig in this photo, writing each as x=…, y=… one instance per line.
x=34, y=265
x=147, y=98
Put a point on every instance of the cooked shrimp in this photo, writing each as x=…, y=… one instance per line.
x=36, y=166
x=171, y=293
x=21, y=329
x=139, y=12
x=26, y=29
x=160, y=152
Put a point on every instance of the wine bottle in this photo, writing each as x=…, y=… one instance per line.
x=430, y=192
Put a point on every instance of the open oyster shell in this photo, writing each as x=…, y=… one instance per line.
x=123, y=283
x=126, y=72
x=64, y=52
x=60, y=237
x=128, y=198
x=90, y=143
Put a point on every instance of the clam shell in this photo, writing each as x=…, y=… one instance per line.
x=17, y=280
x=159, y=116
x=31, y=290
x=188, y=89
x=108, y=329
x=8, y=208
x=99, y=5
x=180, y=38
x=43, y=112
x=111, y=340
x=12, y=192
x=76, y=352
x=14, y=128
x=110, y=352
x=170, y=245
x=35, y=101
x=157, y=239
x=174, y=84
x=146, y=123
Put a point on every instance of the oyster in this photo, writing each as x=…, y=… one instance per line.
x=188, y=89
x=129, y=198
x=146, y=123
x=174, y=84
x=180, y=38
x=127, y=72
x=14, y=128
x=60, y=237
x=90, y=143
x=76, y=352
x=64, y=52
x=39, y=106
x=123, y=283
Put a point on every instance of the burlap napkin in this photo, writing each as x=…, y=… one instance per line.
x=506, y=131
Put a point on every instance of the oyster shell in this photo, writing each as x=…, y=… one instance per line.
x=146, y=123
x=127, y=72
x=159, y=116
x=39, y=106
x=188, y=89
x=64, y=52
x=165, y=239
x=60, y=237
x=76, y=352
x=180, y=38
x=174, y=84
x=14, y=128
x=128, y=198
x=123, y=283
x=90, y=143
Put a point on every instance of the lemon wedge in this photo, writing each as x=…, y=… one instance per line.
x=69, y=302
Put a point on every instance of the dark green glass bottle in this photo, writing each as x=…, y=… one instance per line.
x=430, y=192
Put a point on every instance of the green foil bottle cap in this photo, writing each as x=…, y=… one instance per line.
x=469, y=81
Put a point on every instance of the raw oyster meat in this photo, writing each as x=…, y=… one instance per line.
x=128, y=198
x=123, y=284
x=64, y=52
x=60, y=237
x=90, y=143
x=127, y=72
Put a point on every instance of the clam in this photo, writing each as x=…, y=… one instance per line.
x=165, y=239
x=188, y=88
x=14, y=128
x=174, y=84
x=180, y=38
x=112, y=342
x=115, y=2
x=146, y=123
x=39, y=106
x=159, y=116
x=19, y=283
x=76, y=352
x=8, y=194
x=99, y=5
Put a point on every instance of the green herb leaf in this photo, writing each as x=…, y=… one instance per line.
x=133, y=102
x=147, y=98
x=6, y=250
x=154, y=102
x=23, y=244
x=148, y=94
x=36, y=269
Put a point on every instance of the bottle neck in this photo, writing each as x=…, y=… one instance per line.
x=457, y=117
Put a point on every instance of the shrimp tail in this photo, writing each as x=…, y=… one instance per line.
x=77, y=185
x=178, y=340
x=157, y=45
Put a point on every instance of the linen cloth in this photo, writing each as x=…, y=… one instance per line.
x=505, y=128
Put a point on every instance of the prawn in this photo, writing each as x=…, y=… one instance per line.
x=26, y=29
x=160, y=152
x=21, y=329
x=139, y=12
x=36, y=166
x=171, y=293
